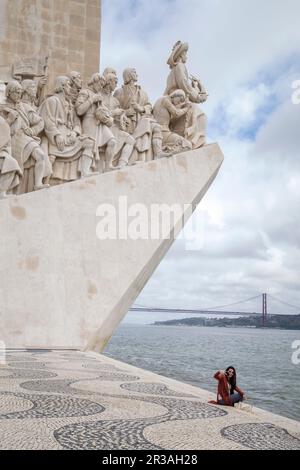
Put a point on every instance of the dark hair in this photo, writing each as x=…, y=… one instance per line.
x=231, y=380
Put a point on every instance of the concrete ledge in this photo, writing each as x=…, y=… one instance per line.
x=63, y=287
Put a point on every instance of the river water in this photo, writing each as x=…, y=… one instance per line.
x=263, y=359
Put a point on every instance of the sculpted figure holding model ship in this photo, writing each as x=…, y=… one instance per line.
x=193, y=125
x=78, y=131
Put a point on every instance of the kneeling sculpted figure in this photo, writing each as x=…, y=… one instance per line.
x=165, y=111
x=10, y=172
x=70, y=151
x=25, y=126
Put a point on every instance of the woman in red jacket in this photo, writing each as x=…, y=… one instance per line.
x=228, y=391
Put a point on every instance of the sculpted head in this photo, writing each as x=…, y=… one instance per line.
x=179, y=54
x=183, y=56
x=111, y=82
x=29, y=88
x=96, y=82
x=14, y=91
x=76, y=80
x=109, y=70
x=178, y=97
x=130, y=75
x=63, y=85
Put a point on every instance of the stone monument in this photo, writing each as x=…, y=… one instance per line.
x=79, y=153
x=49, y=37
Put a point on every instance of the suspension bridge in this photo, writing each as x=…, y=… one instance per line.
x=218, y=310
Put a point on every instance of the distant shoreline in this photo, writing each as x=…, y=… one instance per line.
x=276, y=322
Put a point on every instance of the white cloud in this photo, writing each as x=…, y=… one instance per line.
x=246, y=53
x=243, y=107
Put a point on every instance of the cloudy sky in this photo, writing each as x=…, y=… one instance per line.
x=247, y=54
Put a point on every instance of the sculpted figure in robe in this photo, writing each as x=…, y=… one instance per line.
x=167, y=110
x=125, y=142
x=70, y=151
x=97, y=122
x=76, y=85
x=193, y=125
x=30, y=96
x=34, y=91
x=143, y=127
x=10, y=171
x=26, y=126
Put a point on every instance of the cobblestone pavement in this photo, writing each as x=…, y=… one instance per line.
x=73, y=400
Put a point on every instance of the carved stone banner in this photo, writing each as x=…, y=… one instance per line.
x=30, y=68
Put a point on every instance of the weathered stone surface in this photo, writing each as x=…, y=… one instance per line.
x=63, y=287
x=58, y=29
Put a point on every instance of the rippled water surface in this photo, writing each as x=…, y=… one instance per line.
x=263, y=359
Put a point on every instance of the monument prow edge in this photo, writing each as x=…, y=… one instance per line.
x=62, y=286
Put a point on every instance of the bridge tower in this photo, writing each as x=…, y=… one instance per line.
x=264, y=310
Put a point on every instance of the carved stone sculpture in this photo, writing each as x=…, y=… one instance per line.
x=76, y=85
x=167, y=110
x=70, y=151
x=192, y=126
x=2, y=91
x=29, y=68
x=143, y=127
x=125, y=142
x=77, y=132
x=26, y=126
x=10, y=172
x=97, y=122
x=30, y=91
x=110, y=70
